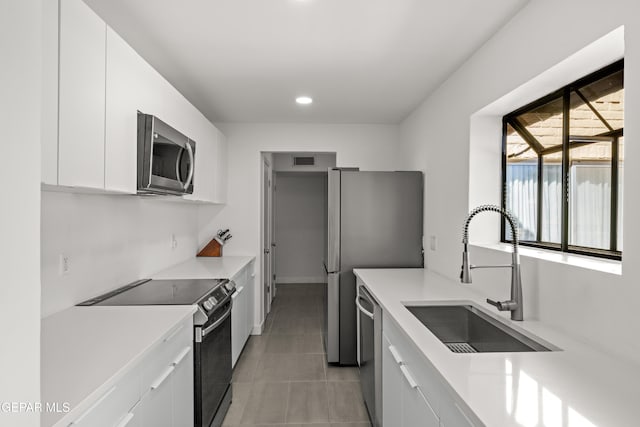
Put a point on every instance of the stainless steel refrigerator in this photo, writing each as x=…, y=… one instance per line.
x=375, y=221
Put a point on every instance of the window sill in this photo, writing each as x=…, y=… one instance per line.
x=579, y=261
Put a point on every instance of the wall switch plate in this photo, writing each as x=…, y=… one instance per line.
x=64, y=265
x=174, y=242
x=433, y=243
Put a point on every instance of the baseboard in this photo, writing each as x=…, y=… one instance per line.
x=257, y=329
x=301, y=279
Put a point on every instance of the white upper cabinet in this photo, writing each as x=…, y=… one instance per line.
x=49, y=130
x=95, y=83
x=209, y=182
x=81, y=96
x=221, y=170
x=126, y=92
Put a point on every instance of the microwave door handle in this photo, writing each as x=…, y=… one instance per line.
x=178, y=164
x=191, y=165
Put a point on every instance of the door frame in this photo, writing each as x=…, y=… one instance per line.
x=266, y=236
x=272, y=224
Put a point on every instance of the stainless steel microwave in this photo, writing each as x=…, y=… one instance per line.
x=166, y=158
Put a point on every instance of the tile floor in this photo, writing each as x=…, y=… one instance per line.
x=282, y=378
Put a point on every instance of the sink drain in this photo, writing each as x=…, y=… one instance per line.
x=461, y=347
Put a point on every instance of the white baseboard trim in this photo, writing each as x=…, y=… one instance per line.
x=301, y=279
x=257, y=329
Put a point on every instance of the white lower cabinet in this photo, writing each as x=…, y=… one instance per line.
x=452, y=416
x=156, y=406
x=157, y=392
x=238, y=323
x=413, y=393
x=404, y=403
x=391, y=387
x=242, y=311
x=112, y=406
x=182, y=392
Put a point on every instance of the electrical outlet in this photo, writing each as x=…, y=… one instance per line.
x=433, y=243
x=174, y=242
x=64, y=264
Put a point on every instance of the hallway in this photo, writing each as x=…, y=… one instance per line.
x=282, y=378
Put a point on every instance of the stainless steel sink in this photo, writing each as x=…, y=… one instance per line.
x=465, y=329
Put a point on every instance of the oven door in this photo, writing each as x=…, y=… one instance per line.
x=166, y=158
x=212, y=366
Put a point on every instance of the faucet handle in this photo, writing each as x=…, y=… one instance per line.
x=496, y=304
x=503, y=305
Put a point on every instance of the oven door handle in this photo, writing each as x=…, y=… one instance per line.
x=362, y=309
x=217, y=322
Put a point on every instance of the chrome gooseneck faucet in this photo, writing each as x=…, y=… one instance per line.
x=514, y=305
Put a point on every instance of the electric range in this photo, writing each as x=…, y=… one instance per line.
x=212, y=334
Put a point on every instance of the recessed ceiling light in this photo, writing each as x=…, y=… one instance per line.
x=304, y=100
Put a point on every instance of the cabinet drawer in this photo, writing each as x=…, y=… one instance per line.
x=416, y=410
x=452, y=415
x=112, y=406
x=423, y=372
x=176, y=345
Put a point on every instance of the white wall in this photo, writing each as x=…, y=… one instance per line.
x=110, y=241
x=20, y=112
x=598, y=307
x=300, y=227
x=372, y=147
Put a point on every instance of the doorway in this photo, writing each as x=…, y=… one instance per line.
x=301, y=227
x=293, y=220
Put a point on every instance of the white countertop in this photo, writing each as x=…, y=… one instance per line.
x=224, y=267
x=578, y=386
x=84, y=350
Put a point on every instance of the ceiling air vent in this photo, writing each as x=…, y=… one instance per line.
x=304, y=161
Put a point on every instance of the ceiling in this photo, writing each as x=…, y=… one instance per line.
x=362, y=61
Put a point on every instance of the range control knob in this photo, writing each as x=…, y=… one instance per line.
x=212, y=300
x=207, y=305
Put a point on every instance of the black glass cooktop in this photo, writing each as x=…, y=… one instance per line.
x=157, y=292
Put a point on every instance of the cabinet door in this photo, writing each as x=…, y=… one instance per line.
x=126, y=93
x=81, y=96
x=182, y=389
x=416, y=411
x=403, y=403
x=392, y=386
x=221, y=170
x=114, y=405
x=49, y=138
x=238, y=322
x=244, y=283
x=452, y=416
x=204, y=175
x=250, y=291
x=156, y=406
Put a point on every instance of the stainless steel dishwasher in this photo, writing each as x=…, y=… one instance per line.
x=370, y=353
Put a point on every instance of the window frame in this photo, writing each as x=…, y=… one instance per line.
x=509, y=119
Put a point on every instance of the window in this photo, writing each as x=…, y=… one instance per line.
x=562, y=167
